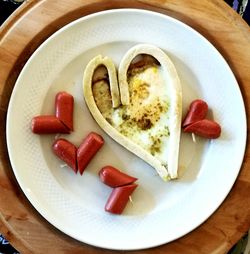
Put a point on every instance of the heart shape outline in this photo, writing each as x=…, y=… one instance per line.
x=78, y=158
x=166, y=171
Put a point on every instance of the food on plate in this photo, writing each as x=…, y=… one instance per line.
x=64, y=104
x=100, y=71
x=78, y=158
x=88, y=149
x=61, y=122
x=197, y=111
x=119, y=198
x=48, y=124
x=144, y=114
x=114, y=177
x=123, y=185
x=195, y=121
x=66, y=151
x=204, y=128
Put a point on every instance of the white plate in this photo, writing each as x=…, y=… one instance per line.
x=161, y=212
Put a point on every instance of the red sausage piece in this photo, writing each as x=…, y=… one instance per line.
x=197, y=111
x=66, y=151
x=118, y=198
x=87, y=150
x=205, y=128
x=114, y=177
x=47, y=125
x=64, y=104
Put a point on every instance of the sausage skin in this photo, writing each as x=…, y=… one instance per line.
x=64, y=104
x=114, y=177
x=48, y=124
x=197, y=111
x=87, y=150
x=66, y=151
x=204, y=128
x=118, y=198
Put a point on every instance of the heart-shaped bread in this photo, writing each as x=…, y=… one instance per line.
x=143, y=112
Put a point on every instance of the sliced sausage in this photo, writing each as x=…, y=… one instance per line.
x=114, y=177
x=118, y=198
x=66, y=151
x=204, y=128
x=47, y=125
x=64, y=104
x=87, y=150
x=197, y=111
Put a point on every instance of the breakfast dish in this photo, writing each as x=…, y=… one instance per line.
x=74, y=203
x=147, y=121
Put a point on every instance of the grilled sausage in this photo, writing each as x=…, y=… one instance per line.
x=118, y=198
x=114, y=177
x=87, y=150
x=66, y=151
x=64, y=104
x=197, y=111
x=204, y=128
x=47, y=124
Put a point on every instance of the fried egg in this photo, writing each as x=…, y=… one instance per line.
x=147, y=116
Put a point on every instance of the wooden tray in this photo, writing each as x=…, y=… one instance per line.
x=35, y=21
